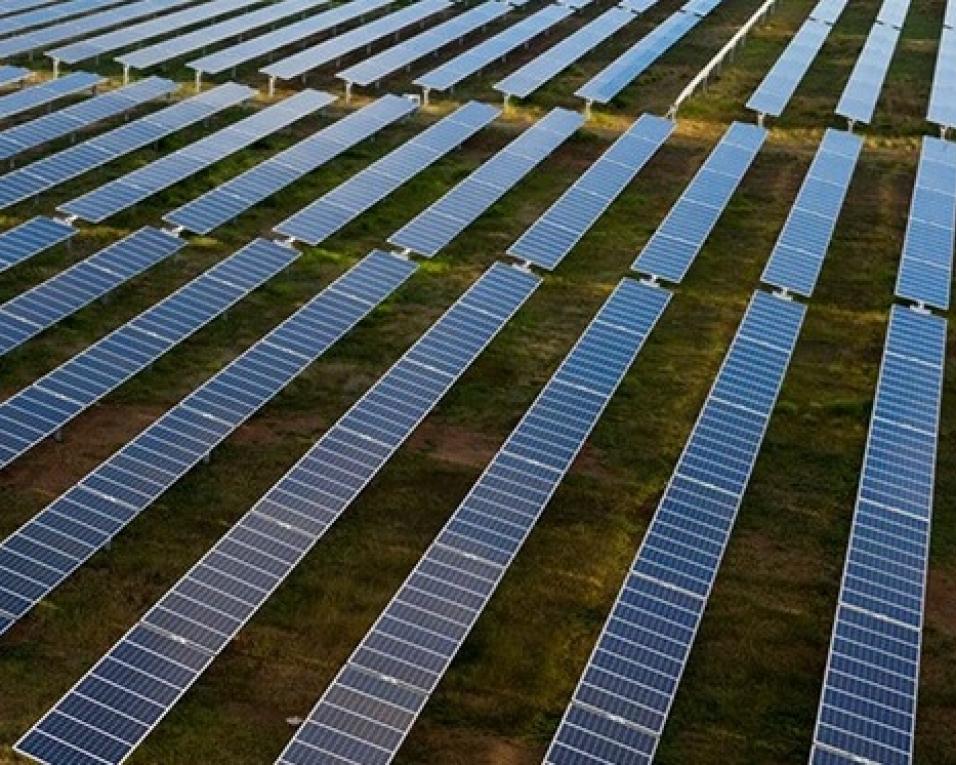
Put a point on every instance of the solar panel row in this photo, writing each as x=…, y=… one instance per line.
x=862, y=91
x=798, y=255
x=347, y=201
x=134, y=477
x=40, y=16
x=122, y=193
x=623, y=698
x=238, y=194
x=364, y=716
x=621, y=72
x=926, y=268
x=555, y=233
x=46, y=406
x=868, y=705
x=942, y=99
x=17, y=6
x=31, y=238
x=167, y=50
x=10, y=75
x=828, y=11
x=208, y=606
x=494, y=48
x=41, y=307
x=36, y=132
x=335, y=48
x=47, y=92
x=436, y=226
x=418, y=46
x=51, y=171
x=893, y=13
x=524, y=81
x=669, y=253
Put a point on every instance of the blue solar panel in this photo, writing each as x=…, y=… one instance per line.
x=435, y=227
x=862, y=91
x=942, y=99
x=673, y=247
x=555, y=233
x=233, y=197
x=133, y=478
x=418, y=46
x=828, y=11
x=209, y=606
x=337, y=47
x=893, y=13
x=35, y=17
x=347, y=201
x=47, y=92
x=403, y=657
x=10, y=75
x=868, y=707
x=926, y=269
x=798, y=255
x=36, y=132
x=494, y=48
x=621, y=703
x=31, y=238
x=524, y=81
x=41, y=307
x=262, y=45
x=99, y=204
x=46, y=406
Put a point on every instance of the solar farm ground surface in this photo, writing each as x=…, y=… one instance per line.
x=751, y=691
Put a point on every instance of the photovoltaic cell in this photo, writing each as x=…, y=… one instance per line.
x=46, y=406
x=555, y=233
x=494, y=48
x=436, y=226
x=926, y=269
x=257, y=47
x=110, y=198
x=212, y=602
x=31, y=238
x=47, y=92
x=418, y=46
x=132, y=479
x=942, y=100
x=330, y=50
x=238, y=194
x=623, y=698
x=673, y=247
x=524, y=81
x=862, y=91
x=798, y=255
x=347, y=201
x=365, y=714
x=867, y=708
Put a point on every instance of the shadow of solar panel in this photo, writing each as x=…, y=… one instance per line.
x=868, y=704
x=31, y=238
x=862, y=91
x=622, y=700
x=415, y=638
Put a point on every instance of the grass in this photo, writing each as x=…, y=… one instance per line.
x=752, y=685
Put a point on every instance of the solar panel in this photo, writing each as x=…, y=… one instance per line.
x=436, y=226
x=350, y=199
x=99, y=204
x=621, y=72
x=223, y=590
x=238, y=194
x=862, y=91
x=893, y=13
x=39, y=16
x=17, y=6
x=828, y=11
x=365, y=714
x=637, y=6
x=31, y=238
x=867, y=711
x=942, y=100
x=71, y=162
x=47, y=92
x=555, y=233
x=9, y=75
x=134, y=477
x=949, y=15
x=926, y=268
x=798, y=255
x=337, y=47
x=621, y=703
x=262, y=45
x=673, y=247
x=524, y=81
x=418, y=46
x=167, y=50
x=494, y=48
x=36, y=132
x=131, y=34
x=777, y=88
x=41, y=307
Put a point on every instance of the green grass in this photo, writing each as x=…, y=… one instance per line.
x=752, y=685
